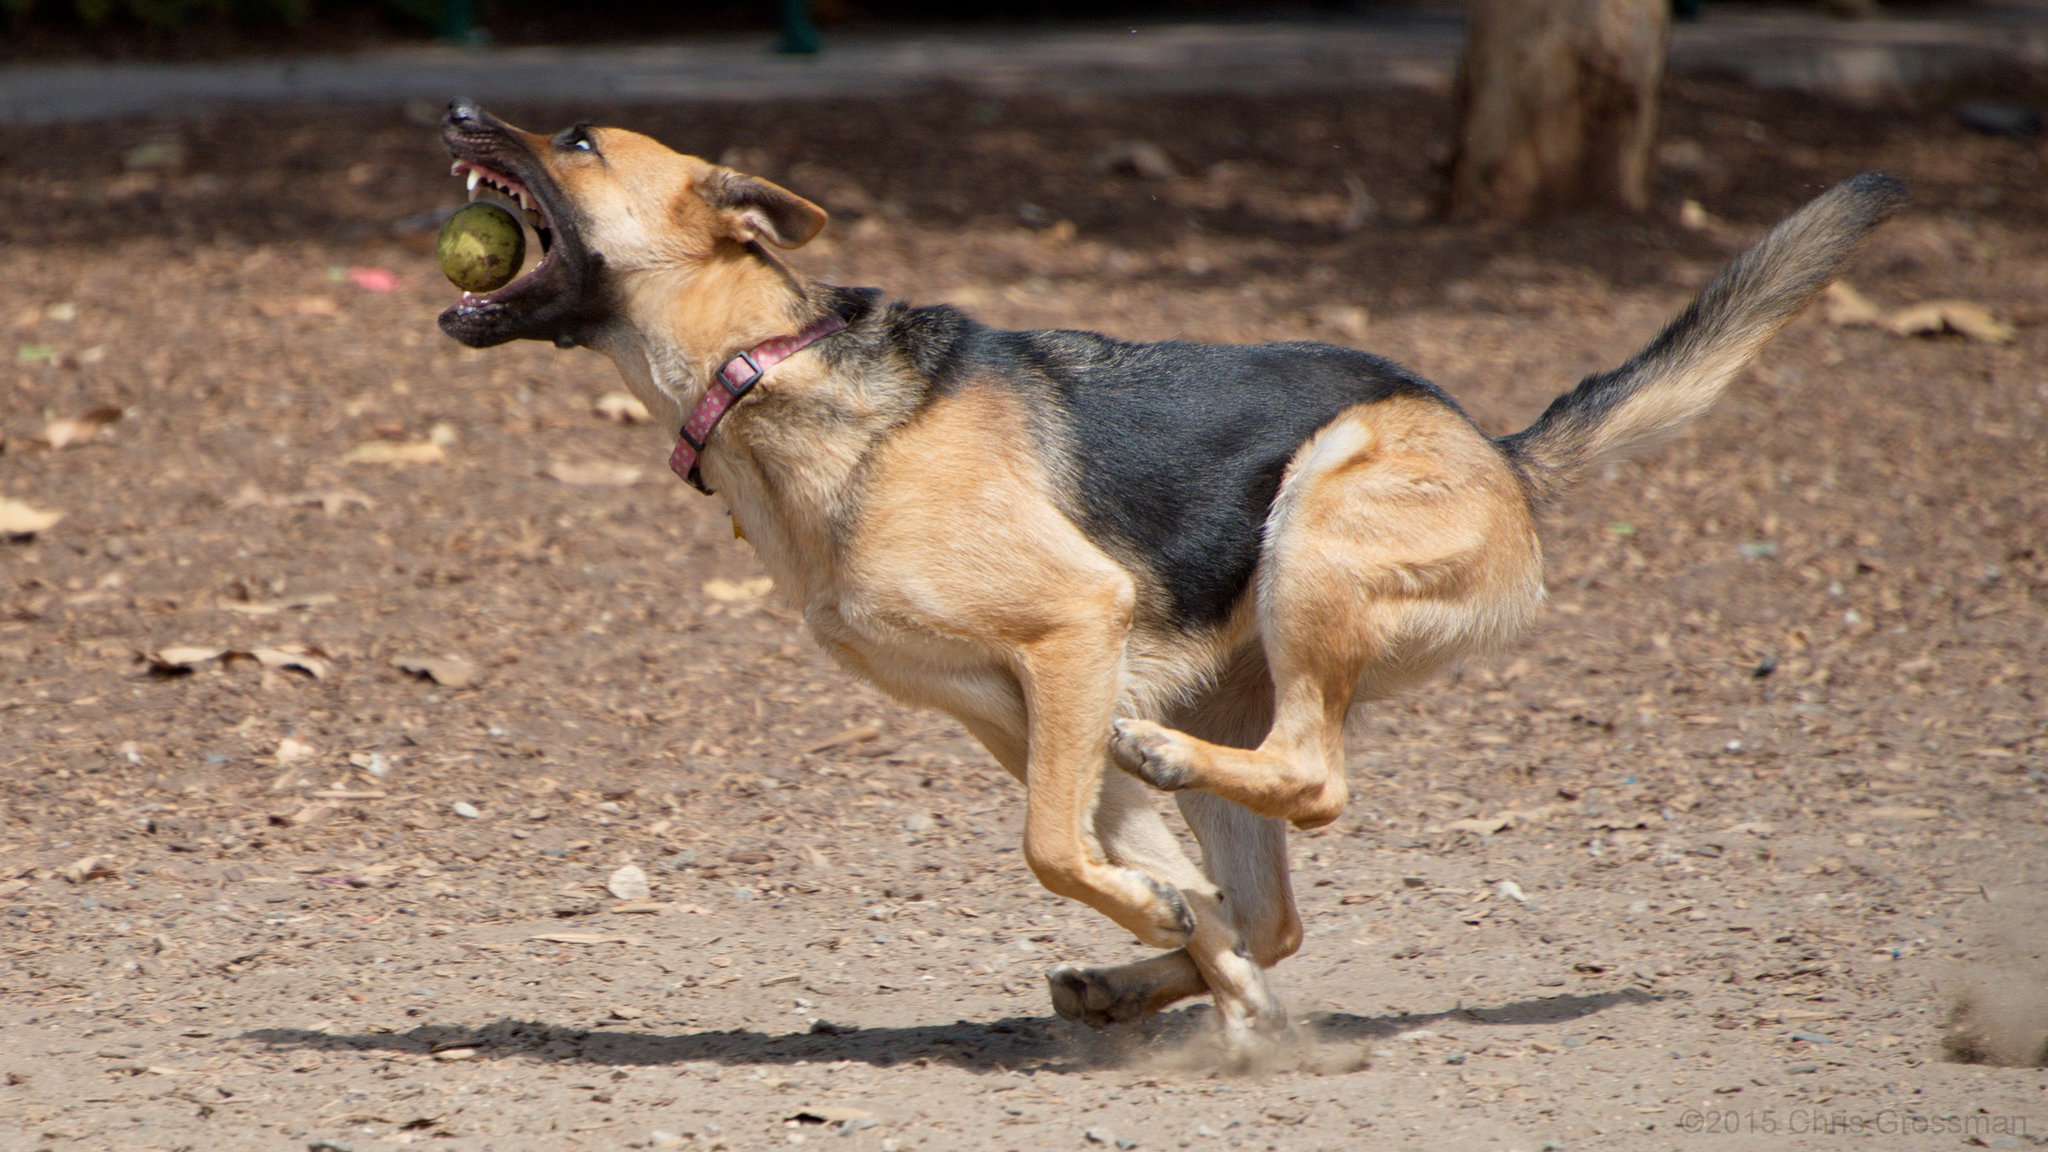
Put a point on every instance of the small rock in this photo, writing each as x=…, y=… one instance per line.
x=1455, y=1058
x=1573, y=1042
x=466, y=810
x=628, y=883
x=1512, y=891
x=455, y=1054
x=918, y=822
x=1099, y=1136
x=1802, y=1069
x=660, y=1139
x=828, y=1028
x=1813, y=1038
x=1206, y=1131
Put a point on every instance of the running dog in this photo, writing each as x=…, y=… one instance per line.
x=1120, y=566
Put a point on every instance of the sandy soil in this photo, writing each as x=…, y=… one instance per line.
x=1708, y=862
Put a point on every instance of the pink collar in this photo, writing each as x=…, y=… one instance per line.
x=734, y=379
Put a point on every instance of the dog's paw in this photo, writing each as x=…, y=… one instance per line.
x=1174, y=919
x=1153, y=753
x=1089, y=996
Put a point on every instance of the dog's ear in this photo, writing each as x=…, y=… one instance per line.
x=754, y=209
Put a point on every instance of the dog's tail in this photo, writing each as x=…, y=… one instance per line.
x=1685, y=368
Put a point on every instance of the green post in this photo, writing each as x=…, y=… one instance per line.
x=799, y=36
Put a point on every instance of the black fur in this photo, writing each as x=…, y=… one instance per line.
x=1172, y=452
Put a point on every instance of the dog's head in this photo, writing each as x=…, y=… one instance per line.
x=615, y=212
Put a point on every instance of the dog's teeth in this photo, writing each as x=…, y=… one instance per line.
x=455, y=169
x=475, y=178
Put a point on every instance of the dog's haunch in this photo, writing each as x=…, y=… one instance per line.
x=480, y=248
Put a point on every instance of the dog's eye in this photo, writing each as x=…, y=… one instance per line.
x=576, y=139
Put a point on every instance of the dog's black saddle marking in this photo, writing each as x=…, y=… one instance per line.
x=1177, y=449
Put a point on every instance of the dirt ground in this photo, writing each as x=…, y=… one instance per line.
x=1709, y=861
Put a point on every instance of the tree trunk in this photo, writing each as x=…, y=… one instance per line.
x=1557, y=105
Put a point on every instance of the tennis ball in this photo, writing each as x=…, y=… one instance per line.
x=480, y=248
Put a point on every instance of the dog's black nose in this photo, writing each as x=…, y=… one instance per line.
x=463, y=110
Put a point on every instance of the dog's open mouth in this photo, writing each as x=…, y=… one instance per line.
x=557, y=298
x=484, y=181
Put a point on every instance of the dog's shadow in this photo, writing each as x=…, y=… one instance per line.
x=1023, y=1044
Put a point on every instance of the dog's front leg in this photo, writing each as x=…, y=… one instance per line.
x=1070, y=678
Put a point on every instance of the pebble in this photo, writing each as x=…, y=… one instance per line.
x=628, y=883
x=918, y=822
x=661, y=1139
x=1813, y=1038
x=1455, y=1058
x=466, y=810
x=1801, y=1069
x=1099, y=1136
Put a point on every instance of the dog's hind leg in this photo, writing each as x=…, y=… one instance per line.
x=1400, y=542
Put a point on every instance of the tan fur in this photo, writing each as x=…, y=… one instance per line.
x=927, y=545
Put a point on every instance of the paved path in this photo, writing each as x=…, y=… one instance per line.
x=1770, y=49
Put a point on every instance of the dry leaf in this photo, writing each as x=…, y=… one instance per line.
x=1960, y=316
x=300, y=306
x=78, y=429
x=593, y=473
x=395, y=452
x=628, y=883
x=641, y=907
x=1348, y=320
x=1845, y=307
x=18, y=519
x=181, y=659
x=583, y=938
x=290, y=751
x=860, y=735
x=624, y=407
x=87, y=868
x=311, y=661
x=1895, y=812
x=729, y=592
x=447, y=671
x=1485, y=827
x=273, y=607
x=831, y=1114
